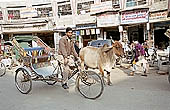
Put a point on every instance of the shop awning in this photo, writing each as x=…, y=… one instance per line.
x=162, y=24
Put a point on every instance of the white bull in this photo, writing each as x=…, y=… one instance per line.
x=102, y=58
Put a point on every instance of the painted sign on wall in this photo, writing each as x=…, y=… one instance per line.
x=135, y=16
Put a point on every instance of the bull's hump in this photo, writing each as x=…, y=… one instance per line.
x=90, y=47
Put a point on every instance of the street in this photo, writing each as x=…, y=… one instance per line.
x=126, y=93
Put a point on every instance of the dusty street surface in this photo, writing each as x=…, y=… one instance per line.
x=126, y=93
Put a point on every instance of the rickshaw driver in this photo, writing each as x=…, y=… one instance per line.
x=66, y=48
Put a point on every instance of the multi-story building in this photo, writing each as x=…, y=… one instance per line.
x=159, y=22
x=26, y=17
x=91, y=19
x=146, y=20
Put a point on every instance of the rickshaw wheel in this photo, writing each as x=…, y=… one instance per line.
x=169, y=78
x=90, y=84
x=23, y=80
x=2, y=69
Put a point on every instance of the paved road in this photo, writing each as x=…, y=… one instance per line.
x=126, y=93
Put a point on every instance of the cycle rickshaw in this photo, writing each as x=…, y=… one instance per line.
x=37, y=66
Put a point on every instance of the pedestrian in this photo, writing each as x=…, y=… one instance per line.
x=144, y=64
x=76, y=46
x=66, y=49
x=145, y=46
x=137, y=51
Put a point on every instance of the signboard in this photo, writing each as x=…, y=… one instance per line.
x=108, y=19
x=85, y=19
x=28, y=12
x=66, y=21
x=101, y=7
x=85, y=26
x=158, y=16
x=26, y=28
x=63, y=1
x=135, y=16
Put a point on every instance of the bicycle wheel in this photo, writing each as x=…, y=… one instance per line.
x=90, y=84
x=2, y=69
x=23, y=81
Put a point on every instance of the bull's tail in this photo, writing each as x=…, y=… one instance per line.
x=82, y=58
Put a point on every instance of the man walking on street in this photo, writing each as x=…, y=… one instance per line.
x=66, y=48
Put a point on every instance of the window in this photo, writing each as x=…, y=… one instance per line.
x=45, y=12
x=159, y=0
x=131, y=3
x=84, y=7
x=1, y=17
x=64, y=10
x=13, y=14
x=114, y=2
x=105, y=0
x=141, y=2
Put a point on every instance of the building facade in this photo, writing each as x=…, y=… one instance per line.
x=91, y=19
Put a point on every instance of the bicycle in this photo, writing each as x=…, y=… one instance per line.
x=85, y=81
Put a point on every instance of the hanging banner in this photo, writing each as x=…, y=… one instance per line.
x=135, y=16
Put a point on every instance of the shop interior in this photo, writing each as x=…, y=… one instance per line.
x=136, y=33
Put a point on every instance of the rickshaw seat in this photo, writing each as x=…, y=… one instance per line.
x=40, y=59
x=31, y=50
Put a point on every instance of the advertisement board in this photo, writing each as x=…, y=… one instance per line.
x=135, y=16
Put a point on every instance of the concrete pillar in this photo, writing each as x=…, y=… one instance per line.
x=80, y=42
x=121, y=36
x=148, y=29
x=56, y=40
x=105, y=35
x=4, y=13
x=101, y=36
x=121, y=32
x=2, y=36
